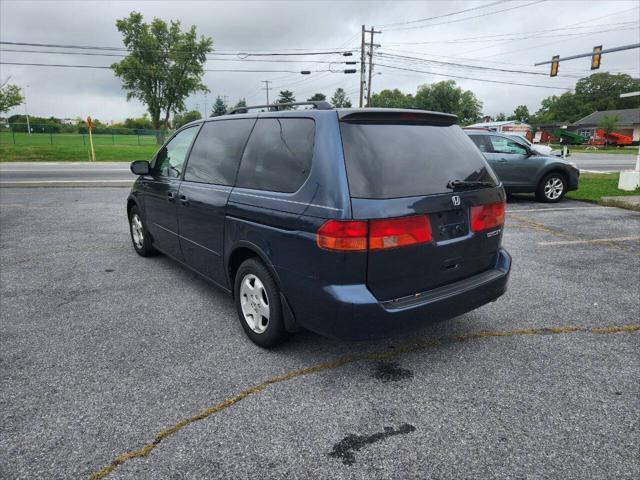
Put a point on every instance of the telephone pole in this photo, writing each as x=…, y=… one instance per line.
x=362, y=67
x=372, y=32
x=267, y=88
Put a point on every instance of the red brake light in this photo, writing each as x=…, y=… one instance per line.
x=341, y=235
x=488, y=216
x=399, y=232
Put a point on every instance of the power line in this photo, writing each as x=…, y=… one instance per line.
x=471, y=78
x=120, y=55
x=510, y=36
x=470, y=18
x=440, y=16
x=109, y=68
x=438, y=62
x=121, y=49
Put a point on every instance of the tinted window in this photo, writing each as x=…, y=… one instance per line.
x=482, y=142
x=504, y=145
x=170, y=158
x=395, y=160
x=278, y=155
x=216, y=152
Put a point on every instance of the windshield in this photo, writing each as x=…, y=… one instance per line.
x=404, y=160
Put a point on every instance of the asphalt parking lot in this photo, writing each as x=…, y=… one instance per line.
x=104, y=353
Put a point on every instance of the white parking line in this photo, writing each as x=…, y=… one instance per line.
x=554, y=209
x=595, y=240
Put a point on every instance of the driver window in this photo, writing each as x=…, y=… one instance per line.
x=171, y=157
x=504, y=145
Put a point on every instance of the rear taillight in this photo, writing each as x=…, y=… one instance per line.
x=341, y=235
x=399, y=232
x=374, y=234
x=488, y=216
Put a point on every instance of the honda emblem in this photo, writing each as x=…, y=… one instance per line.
x=455, y=200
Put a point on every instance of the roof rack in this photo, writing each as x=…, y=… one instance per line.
x=321, y=105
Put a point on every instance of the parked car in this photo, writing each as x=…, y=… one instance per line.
x=538, y=147
x=351, y=223
x=524, y=170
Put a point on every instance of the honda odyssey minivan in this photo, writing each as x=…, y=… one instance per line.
x=352, y=223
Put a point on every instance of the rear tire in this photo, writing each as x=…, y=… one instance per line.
x=551, y=188
x=139, y=235
x=257, y=299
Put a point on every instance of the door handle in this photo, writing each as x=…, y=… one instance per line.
x=171, y=196
x=184, y=200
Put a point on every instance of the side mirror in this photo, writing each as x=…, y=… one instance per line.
x=140, y=167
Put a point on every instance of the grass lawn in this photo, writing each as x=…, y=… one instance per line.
x=594, y=186
x=24, y=139
x=74, y=152
x=583, y=149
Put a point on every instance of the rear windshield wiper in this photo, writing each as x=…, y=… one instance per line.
x=453, y=184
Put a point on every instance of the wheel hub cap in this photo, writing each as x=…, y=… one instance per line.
x=255, y=303
x=136, y=230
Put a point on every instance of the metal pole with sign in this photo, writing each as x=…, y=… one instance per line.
x=630, y=179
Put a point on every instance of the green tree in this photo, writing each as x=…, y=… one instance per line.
x=608, y=123
x=446, y=97
x=340, y=99
x=521, y=113
x=317, y=97
x=140, y=123
x=501, y=117
x=392, y=99
x=286, y=96
x=241, y=103
x=181, y=119
x=10, y=96
x=219, y=107
x=597, y=92
x=164, y=65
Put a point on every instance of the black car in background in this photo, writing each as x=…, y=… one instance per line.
x=522, y=169
x=351, y=223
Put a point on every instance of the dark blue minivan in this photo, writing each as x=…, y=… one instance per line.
x=352, y=223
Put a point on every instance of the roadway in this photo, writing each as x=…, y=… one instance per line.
x=117, y=174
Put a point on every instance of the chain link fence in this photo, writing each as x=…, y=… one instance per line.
x=55, y=134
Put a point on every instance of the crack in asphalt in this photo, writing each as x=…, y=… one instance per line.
x=339, y=362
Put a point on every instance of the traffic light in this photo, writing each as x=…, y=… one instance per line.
x=555, y=61
x=595, y=57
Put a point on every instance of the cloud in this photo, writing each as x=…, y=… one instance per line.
x=243, y=26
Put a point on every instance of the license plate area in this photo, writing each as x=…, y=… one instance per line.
x=449, y=225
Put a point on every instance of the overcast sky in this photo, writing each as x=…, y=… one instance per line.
x=576, y=27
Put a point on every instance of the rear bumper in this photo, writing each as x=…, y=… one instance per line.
x=351, y=311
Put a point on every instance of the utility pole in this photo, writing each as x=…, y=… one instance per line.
x=266, y=82
x=26, y=111
x=362, y=67
x=372, y=32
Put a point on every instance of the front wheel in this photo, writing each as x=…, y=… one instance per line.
x=551, y=188
x=257, y=300
x=139, y=234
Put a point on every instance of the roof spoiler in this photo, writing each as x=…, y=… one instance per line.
x=399, y=117
x=320, y=105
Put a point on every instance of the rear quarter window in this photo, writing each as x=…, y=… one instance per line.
x=278, y=155
x=405, y=160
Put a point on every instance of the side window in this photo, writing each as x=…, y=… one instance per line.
x=278, y=155
x=216, y=152
x=170, y=158
x=504, y=145
x=482, y=142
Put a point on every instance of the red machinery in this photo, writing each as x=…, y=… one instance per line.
x=613, y=138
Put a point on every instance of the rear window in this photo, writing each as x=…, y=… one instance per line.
x=407, y=160
x=278, y=155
